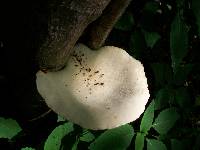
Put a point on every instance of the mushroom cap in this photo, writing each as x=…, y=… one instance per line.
x=99, y=89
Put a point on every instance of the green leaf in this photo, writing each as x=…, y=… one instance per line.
x=164, y=97
x=177, y=145
x=151, y=38
x=196, y=145
x=163, y=73
x=147, y=119
x=75, y=146
x=27, y=148
x=87, y=137
x=9, y=128
x=163, y=137
x=153, y=144
x=178, y=41
x=196, y=10
x=53, y=141
x=182, y=73
x=139, y=141
x=137, y=44
x=197, y=100
x=165, y=120
x=182, y=98
x=180, y=3
x=116, y=139
x=151, y=7
x=126, y=22
x=60, y=118
x=183, y=143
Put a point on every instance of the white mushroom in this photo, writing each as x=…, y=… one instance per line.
x=99, y=89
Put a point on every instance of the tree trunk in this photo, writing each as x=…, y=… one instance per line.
x=67, y=21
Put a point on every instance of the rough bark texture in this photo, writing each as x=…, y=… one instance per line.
x=67, y=21
x=102, y=27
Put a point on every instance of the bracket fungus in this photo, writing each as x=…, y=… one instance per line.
x=99, y=89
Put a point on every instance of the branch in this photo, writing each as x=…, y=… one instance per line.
x=67, y=21
x=101, y=28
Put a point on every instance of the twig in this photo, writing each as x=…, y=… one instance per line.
x=41, y=116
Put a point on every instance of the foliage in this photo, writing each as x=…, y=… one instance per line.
x=153, y=144
x=87, y=136
x=125, y=23
x=118, y=139
x=151, y=38
x=196, y=11
x=139, y=141
x=27, y=148
x=53, y=142
x=165, y=120
x=165, y=36
x=9, y=128
x=178, y=41
x=147, y=119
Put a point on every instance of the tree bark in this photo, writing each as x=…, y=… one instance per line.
x=101, y=28
x=67, y=21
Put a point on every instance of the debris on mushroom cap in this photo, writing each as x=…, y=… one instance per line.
x=99, y=89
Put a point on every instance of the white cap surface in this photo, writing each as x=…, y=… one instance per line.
x=99, y=89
